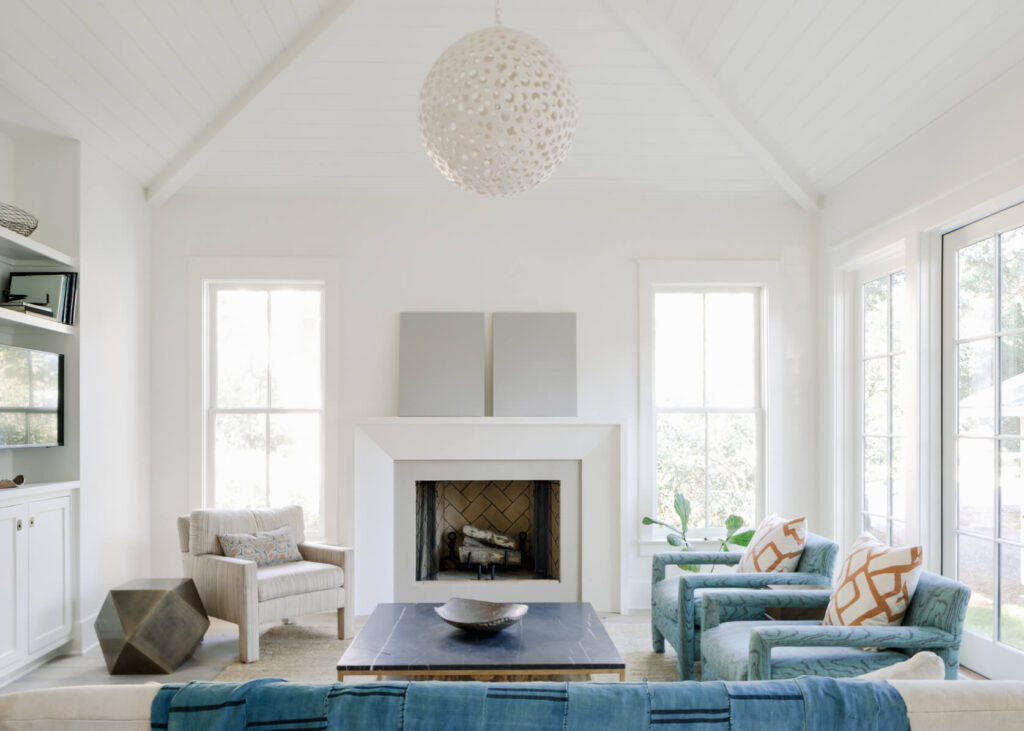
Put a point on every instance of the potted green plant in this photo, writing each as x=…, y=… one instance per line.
x=677, y=535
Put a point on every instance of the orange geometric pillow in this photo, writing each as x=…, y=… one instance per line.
x=875, y=584
x=776, y=546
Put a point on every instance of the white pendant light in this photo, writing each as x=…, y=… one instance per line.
x=498, y=111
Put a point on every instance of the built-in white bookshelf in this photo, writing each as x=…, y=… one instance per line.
x=22, y=253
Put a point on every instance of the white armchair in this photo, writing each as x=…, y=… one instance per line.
x=239, y=591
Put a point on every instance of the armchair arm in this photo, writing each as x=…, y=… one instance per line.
x=226, y=585
x=323, y=553
x=677, y=558
x=763, y=639
x=714, y=601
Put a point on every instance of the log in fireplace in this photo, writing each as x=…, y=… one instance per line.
x=487, y=529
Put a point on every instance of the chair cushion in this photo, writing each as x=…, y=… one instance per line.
x=726, y=648
x=297, y=577
x=875, y=585
x=776, y=545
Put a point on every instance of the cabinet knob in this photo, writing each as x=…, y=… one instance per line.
x=32, y=522
x=19, y=523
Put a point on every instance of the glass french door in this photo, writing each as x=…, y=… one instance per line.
x=983, y=414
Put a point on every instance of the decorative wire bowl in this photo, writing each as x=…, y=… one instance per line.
x=473, y=615
x=17, y=220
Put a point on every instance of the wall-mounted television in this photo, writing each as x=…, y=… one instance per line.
x=31, y=398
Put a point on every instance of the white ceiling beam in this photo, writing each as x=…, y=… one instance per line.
x=184, y=165
x=669, y=49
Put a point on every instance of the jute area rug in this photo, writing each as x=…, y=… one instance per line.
x=308, y=652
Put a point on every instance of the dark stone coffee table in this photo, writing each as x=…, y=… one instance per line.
x=552, y=639
x=150, y=626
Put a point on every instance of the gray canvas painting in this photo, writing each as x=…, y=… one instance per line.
x=441, y=364
x=535, y=364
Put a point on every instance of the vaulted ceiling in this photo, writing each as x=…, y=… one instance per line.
x=711, y=98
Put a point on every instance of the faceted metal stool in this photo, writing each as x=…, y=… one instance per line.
x=151, y=626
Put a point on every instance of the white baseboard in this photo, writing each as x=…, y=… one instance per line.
x=84, y=638
x=30, y=665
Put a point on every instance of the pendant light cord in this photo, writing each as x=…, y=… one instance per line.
x=497, y=12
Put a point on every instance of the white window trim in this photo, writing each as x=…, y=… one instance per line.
x=262, y=271
x=876, y=269
x=845, y=451
x=662, y=275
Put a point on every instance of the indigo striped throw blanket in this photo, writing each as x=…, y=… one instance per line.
x=275, y=705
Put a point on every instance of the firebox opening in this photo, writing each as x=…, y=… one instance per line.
x=468, y=530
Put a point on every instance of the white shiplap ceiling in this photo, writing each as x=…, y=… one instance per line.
x=820, y=87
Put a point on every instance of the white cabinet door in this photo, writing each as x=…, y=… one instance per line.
x=13, y=583
x=49, y=572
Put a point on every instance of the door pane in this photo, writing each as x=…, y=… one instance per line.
x=877, y=527
x=1011, y=604
x=977, y=289
x=899, y=532
x=680, y=445
x=241, y=349
x=240, y=463
x=1012, y=279
x=1011, y=387
x=898, y=302
x=294, y=462
x=975, y=387
x=876, y=317
x=975, y=567
x=876, y=396
x=976, y=485
x=732, y=466
x=898, y=411
x=876, y=475
x=899, y=478
x=679, y=349
x=1011, y=490
x=731, y=351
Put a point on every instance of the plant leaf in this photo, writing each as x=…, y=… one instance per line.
x=682, y=506
x=742, y=539
x=692, y=569
x=732, y=524
x=652, y=521
x=674, y=540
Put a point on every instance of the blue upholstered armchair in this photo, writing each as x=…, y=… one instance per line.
x=767, y=650
x=676, y=601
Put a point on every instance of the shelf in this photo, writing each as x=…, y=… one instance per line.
x=36, y=489
x=19, y=250
x=29, y=323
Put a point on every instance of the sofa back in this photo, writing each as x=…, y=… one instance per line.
x=203, y=526
x=819, y=556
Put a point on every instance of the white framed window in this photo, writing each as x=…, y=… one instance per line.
x=264, y=400
x=881, y=395
x=703, y=368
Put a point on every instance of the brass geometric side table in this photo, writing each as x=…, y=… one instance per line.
x=150, y=625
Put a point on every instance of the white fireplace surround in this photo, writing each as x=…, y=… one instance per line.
x=386, y=449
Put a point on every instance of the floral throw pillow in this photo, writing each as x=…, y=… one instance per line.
x=875, y=584
x=777, y=545
x=267, y=548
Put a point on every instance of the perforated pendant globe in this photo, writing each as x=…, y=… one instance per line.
x=498, y=112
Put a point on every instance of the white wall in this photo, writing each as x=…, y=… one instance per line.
x=114, y=355
x=961, y=167
x=461, y=252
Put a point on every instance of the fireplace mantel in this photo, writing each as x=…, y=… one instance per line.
x=597, y=447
